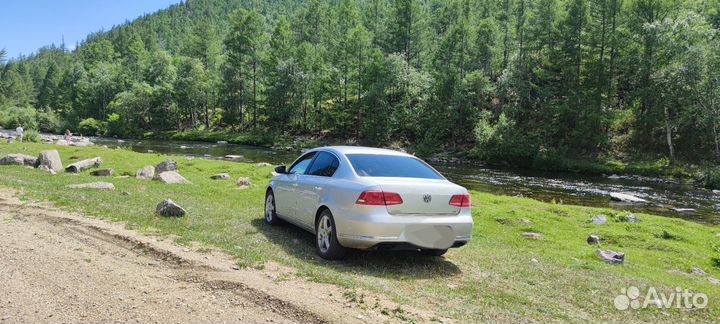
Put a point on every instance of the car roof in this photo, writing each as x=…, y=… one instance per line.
x=361, y=150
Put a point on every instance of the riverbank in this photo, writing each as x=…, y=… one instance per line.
x=501, y=276
x=705, y=175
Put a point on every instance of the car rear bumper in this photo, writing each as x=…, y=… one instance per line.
x=382, y=230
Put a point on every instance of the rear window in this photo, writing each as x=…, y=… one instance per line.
x=374, y=165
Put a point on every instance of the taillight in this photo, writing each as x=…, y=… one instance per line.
x=461, y=201
x=379, y=198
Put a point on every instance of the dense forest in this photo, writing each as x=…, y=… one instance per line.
x=524, y=81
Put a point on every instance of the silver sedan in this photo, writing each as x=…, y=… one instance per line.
x=369, y=198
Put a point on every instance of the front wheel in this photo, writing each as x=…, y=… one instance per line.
x=326, y=238
x=270, y=214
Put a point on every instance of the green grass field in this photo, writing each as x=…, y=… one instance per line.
x=499, y=277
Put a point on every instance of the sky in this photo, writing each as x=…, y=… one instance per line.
x=27, y=25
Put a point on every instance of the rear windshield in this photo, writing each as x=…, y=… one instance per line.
x=374, y=165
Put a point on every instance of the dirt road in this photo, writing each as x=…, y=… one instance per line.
x=61, y=267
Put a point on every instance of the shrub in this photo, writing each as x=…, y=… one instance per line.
x=49, y=122
x=32, y=136
x=12, y=116
x=91, y=126
x=114, y=125
x=710, y=178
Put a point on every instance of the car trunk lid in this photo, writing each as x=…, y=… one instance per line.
x=421, y=196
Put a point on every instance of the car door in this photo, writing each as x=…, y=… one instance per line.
x=286, y=186
x=313, y=185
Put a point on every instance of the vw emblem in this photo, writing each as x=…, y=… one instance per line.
x=427, y=198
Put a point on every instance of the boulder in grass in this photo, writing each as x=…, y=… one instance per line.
x=171, y=177
x=593, y=239
x=630, y=219
x=611, y=257
x=169, y=208
x=599, y=220
x=244, y=183
x=221, y=176
x=103, y=172
x=534, y=236
x=49, y=161
x=146, y=173
x=234, y=158
x=18, y=159
x=167, y=165
x=264, y=164
x=92, y=185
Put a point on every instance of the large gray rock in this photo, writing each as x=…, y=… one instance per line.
x=171, y=177
x=630, y=219
x=593, y=239
x=167, y=165
x=92, y=185
x=627, y=198
x=234, y=158
x=18, y=159
x=599, y=220
x=103, y=172
x=49, y=161
x=169, y=208
x=611, y=257
x=146, y=173
x=687, y=211
x=220, y=176
x=84, y=165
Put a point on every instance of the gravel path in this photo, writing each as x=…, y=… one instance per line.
x=61, y=267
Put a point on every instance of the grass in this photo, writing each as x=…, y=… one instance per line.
x=499, y=277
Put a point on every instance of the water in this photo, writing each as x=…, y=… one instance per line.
x=568, y=188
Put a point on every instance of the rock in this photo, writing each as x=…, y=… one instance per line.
x=630, y=219
x=169, y=208
x=62, y=142
x=525, y=221
x=534, y=236
x=167, y=165
x=222, y=142
x=599, y=220
x=46, y=169
x=103, y=172
x=683, y=210
x=244, y=182
x=697, y=271
x=264, y=164
x=120, y=141
x=146, y=173
x=171, y=177
x=611, y=257
x=92, y=185
x=83, y=165
x=626, y=198
x=150, y=151
x=234, y=158
x=18, y=159
x=183, y=147
x=614, y=177
x=221, y=176
x=717, y=192
x=714, y=281
x=82, y=143
x=49, y=160
x=593, y=239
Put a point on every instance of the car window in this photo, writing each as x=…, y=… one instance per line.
x=302, y=164
x=376, y=165
x=324, y=165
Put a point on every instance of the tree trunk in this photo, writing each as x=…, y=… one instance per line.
x=79, y=166
x=717, y=141
x=668, y=135
x=254, y=93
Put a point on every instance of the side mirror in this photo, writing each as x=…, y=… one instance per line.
x=280, y=169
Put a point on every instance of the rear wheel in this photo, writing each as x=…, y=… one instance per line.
x=270, y=214
x=434, y=252
x=326, y=238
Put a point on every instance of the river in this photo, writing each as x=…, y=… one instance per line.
x=566, y=188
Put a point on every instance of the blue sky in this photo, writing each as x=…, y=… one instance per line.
x=26, y=25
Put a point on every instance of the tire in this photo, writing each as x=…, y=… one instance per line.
x=270, y=214
x=433, y=252
x=326, y=241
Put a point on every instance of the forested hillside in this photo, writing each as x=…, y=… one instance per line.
x=524, y=81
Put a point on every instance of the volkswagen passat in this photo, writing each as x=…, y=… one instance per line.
x=369, y=198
